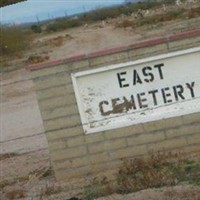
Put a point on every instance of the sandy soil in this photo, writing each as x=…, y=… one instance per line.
x=22, y=131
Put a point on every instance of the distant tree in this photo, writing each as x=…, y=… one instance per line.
x=9, y=2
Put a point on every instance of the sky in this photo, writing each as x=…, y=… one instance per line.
x=34, y=10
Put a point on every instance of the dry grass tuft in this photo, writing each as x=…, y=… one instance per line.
x=155, y=171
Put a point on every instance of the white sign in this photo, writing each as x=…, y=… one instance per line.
x=136, y=92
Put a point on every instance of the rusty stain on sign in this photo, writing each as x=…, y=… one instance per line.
x=139, y=91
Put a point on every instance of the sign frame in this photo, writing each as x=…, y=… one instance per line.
x=77, y=75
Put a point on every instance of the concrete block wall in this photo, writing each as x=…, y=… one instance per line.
x=74, y=154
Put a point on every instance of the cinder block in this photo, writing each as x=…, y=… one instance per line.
x=183, y=130
x=52, y=81
x=185, y=43
x=52, y=93
x=105, y=168
x=162, y=124
x=99, y=158
x=96, y=148
x=194, y=139
x=146, y=52
x=60, y=112
x=145, y=138
x=192, y=118
x=48, y=71
x=107, y=145
x=53, y=103
x=113, y=58
x=129, y=152
x=64, y=133
x=75, y=141
x=168, y=145
x=55, y=92
x=69, y=153
x=77, y=65
x=80, y=162
x=63, y=165
x=92, y=138
x=124, y=132
x=57, y=145
x=64, y=122
x=73, y=173
x=72, y=163
x=115, y=144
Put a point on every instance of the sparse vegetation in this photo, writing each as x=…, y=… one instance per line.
x=154, y=19
x=194, y=12
x=36, y=28
x=34, y=59
x=62, y=24
x=51, y=189
x=7, y=155
x=103, y=14
x=14, y=41
x=158, y=170
x=126, y=10
x=15, y=194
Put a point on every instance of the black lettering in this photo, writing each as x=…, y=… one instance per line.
x=191, y=87
x=165, y=95
x=148, y=74
x=136, y=78
x=101, y=108
x=178, y=92
x=153, y=92
x=159, y=66
x=120, y=80
x=141, y=100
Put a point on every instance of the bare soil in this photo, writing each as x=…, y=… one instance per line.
x=24, y=158
x=94, y=37
x=181, y=192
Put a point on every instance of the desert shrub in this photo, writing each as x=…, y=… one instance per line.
x=13, y=41
x=101, y=14
x=36, y=29
x=98, y=187
x=63, y=24
x=155, y=171
x=145, y=5
x=194, y=12
x=154, y=19
x=125, y=23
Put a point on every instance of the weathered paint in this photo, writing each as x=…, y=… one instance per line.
x=145, y=90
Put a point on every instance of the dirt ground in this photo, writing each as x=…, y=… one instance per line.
x=94, y=37
x=24, y=160
x=183, y=192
